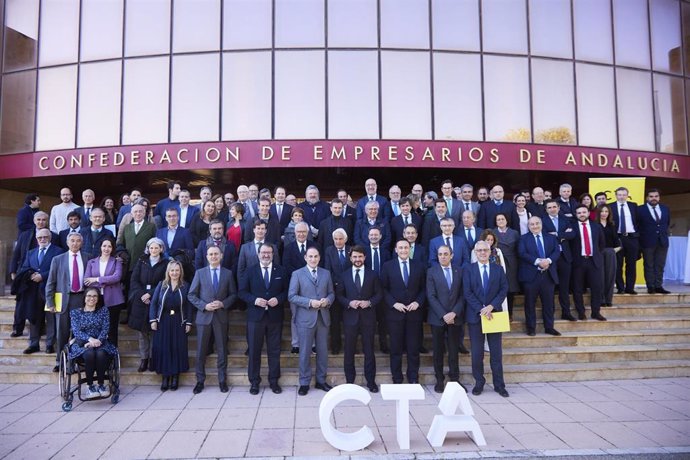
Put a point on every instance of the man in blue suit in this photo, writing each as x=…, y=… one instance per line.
x=376, y=256
x=489, y=209
x=373, y=218
x=453, y=205
x=559, y=225
x=432, y=222
x=405, y=218
x=25, y=216
x=447, y=237
x=485, y=287
x=624, y=215
x=371, y=188
x=174, y=236
x=417, y=251
x=469, y=232
x=654, y=219
x=588, y=262
x=94, y=234
x=264, y=289
x=404, y=285
x=187, y=212
x=539, y=253
x=280, y=210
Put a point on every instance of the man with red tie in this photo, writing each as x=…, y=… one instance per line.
x=588, y=263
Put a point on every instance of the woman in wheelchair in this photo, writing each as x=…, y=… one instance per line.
x=90, y=345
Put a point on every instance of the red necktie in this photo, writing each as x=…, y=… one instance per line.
x=75, y=274
x=588, y=245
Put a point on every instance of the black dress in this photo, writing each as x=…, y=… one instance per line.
x=172, y=310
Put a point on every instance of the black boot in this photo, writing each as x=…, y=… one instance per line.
x=143, y=365
x=165, y=383
x=174, y=380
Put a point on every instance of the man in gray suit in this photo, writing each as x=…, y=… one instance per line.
x=66, y=276
x=466, y=194
x=311, y=292
x=212, y=292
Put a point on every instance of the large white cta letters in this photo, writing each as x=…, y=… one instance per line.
x=454, y=396
x=344, y=441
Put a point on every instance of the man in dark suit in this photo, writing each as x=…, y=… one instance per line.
x=272, y=225
x=588, y=263
x=489, y=209
x=432, y=222
x=336, y=260
x=624, y=215
x=187, y=212
x=280, y=210
x=404, y=285
x=447, y=237
x=94, y=234
x=332, y=222
x=34, y=273
x=264, y=289
x=417, y=251
x=376, y=256
x=466, y=194
x=446, y=313
x=653, y=221
x=405, y=218
x=371, y=189
x=349, y=212
x=249, y=252
x=212, y=292
x=216, y=238
x=453, y=206
x=74, y=226
x=485, y=287
x=88, y=197
x=175, y=237
x=559, y=225
x=566, y=202
x=373, y=218
x=315, y=209
x=392, y=208
x=358, y=291
x=25, y=216
x=537, y=272
x=537, y=206
x=469, y=232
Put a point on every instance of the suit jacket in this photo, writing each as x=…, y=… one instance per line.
x=89, y=243
x=331, y=261
x=59, y=280
x=398, y=225
x=362, y=202
x=31, y=263
x=528, y=253
x=201, y=292
x=181, y=241
x=192, y=211
x=565, y=233
x=536, y=209
x=284, y=217
x=293, y=259
x=474, y=207
x=395, y=290
x=461, y=255
x=109, y=283
x=456, y=211
x=26, y=242
x=328, y=225
x=632, y=210
x=62, y=237
x=567, y=208
x=346, y=291
x=488, y=210
x=252, y=287
x=273, y=231
x=475, y=299
x=362, y=232
x=384, y=256
x=25, y=218
x=316, y=213
x=229, y=256
x=85, y=221
x=249, y=257
x=420, y=254
x=303, y=288
x=443, y=300
x=431, y=229
x=134, y=243
x=652, y=233
x=462, y=233
x=597, y=242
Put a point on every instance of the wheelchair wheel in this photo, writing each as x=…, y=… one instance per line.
x=67, y=406
x=65, y=378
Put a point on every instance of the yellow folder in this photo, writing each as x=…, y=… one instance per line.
x=500, y=322
x=58, y=303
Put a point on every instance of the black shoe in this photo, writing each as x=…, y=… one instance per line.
x=323, y=386
x=477, y=390
x=651, y=291
x=56, y=369
x=662, y=291
x=631, y=292
x=276, y=389
x=503, y=392
x=174, y=382
x=198, y=388
x=384, y=348
x=531, y=332
x=569, y=317
x=438, y=388
x=598, y=317
x=335, y=351
x=223, y=387
x=620, y=291
x=254, y=389
x=303, y=390
x=423, y=350
x=165, y=383
x=30, y=350
x=143, y=365
x=313, y=350
x=373, y=388
x=581, y=316
x=246, y=352
x=463, y=350
x=295, y=351
x=50, y=350
x=16, y=334
x=552, y=331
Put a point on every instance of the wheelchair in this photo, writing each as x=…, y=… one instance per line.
x=72, y=371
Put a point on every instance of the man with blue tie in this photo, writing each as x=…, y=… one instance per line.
x=447, y=237
x=280, y=210
x=176, y=238
x=466, y=194
x=404, y=286
x=432, y=221
x=559, y=225
x=94, y=234
x=538, y=253
x=405, y=218
x=624, y=215
x=469, y=232
x=371, y=188
x=654, y=220
x=588, y=263
x=488, y=210
x=485, y=287
x=336, y=261
x=372, y=218
x=376, y=256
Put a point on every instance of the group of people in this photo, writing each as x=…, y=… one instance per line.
x=346, y=269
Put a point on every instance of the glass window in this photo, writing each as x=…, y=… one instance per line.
x=57, y=106
x=18, y=112
x=631, y=33
x=21, y=34
x=666, y=48
x=147, y=30
x=405, y=95
x=247, y=95
x=553, y=102
x=196, y=25
x=670, y=113
x=101, y=29
x=353, y=95
x=352, y=23
x=300, y=95
x=550, y=31
x=596, y=106
x=404, y=23
x=145, y=101
x=299, y=23
x=506, y=103
x=635, y=121
x=504, y=26
x=99, y=104
x=194, y=107
x=59, y=32
x=457, y=96
x=455, y=24
x=247, y=24
x=592, y=20
x=686, y=36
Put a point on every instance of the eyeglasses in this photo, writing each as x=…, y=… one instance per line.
x=481, y=250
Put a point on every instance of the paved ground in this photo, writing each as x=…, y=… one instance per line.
x=598, y=418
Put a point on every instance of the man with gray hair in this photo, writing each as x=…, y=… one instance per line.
x=251, y=209
x=372, y=218
x=315, y=210
x=566, y=201
x=466, y=193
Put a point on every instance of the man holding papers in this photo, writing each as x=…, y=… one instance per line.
x=485, y=287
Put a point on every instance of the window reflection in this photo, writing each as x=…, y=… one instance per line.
x=506, y=99
x=145, y=101
x=553, y=102
x=457, y=96
x=147, y=28
x=59, y=32
x=57, y=106
x=456, y=24
x=592, y=19
x=596, y=106
x=404, y=23
x=670, y=114
x=101, y=29
x=666, y=49
x=550, y=31
x=635, y=121
x=21, y=34
x=99, y=104
x=299, y=23
x=352, y=23
x=247, y=24
x=631, y=33
x=17, y=112
x=194, y=108
x=196, y=25
x=504, y=26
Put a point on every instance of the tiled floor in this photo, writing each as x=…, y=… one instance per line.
x=573, y=418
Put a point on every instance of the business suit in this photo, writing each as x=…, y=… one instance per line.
x=443, y=300
x=249, y=256
x=181, y=241
x=375, y=259
x=461, y=255
x=59, y=281
x=201, y=292
x=418, y=253
x=293, y=259
x=312, y=323
x=471, y=206
x=567, y=208
x=25, y=218
x=336, y=265
x=455, y=209
x=362, y=202
x=328, y=225
x=359, y=321
x=192, y=212
x=403, y=328
x=135, y=243
x=227, y=249
x=273, y=231
x=284, y=218
x=654, y=242
x=361, y=232
x=476, y=298
x=91, y=241
x=565, y=235
x=630, y=244
x=398, y=224
x=474, y=237
x=314, y=213
x=536, y=282
x=486, y=218
x=431, y=228
x=589, y=268
x=85, y=216
x=264, y=322
x=62, y=236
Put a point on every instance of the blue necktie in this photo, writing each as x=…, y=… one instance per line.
x=342, y=257
x=215, y=280
x=470, y=241
x=406, y=274
x=41, y=254
x=485, y=280
x=377, y=266
x=448, y=280
x=266, y=281
x=622, y=217
x=540, y=248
